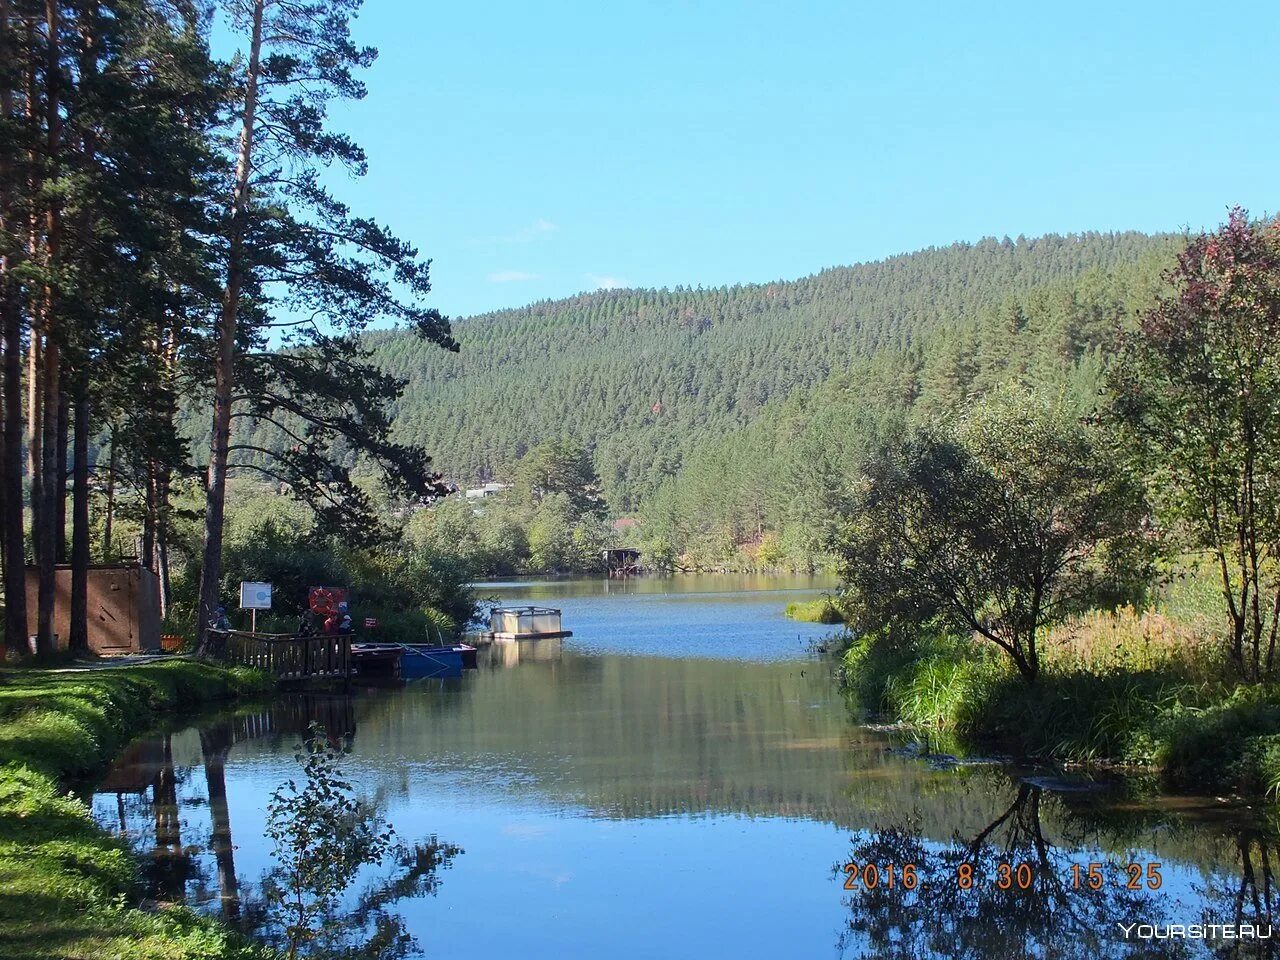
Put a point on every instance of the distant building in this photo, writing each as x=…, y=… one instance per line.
x=488, y=490
x=621, y=561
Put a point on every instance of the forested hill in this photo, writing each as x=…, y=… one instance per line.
x=646, y=377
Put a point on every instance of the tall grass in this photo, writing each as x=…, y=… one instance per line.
x=1129, y=687
x=823, y=610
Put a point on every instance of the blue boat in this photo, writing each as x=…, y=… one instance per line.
x=420, y=660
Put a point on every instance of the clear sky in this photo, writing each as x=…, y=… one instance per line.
x=537, y=149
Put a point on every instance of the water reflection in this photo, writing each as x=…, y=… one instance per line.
x=598, y=792
x=216, y=741
x=1006, y=891
x=1249, y=896
x=512, y=653
x=368, y=928
x=1019, y=887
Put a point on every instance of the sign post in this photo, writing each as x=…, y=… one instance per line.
x=254, y=597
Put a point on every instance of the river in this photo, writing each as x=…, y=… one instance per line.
x=681, y=778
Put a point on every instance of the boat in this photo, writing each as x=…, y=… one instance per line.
x=423, y=660
x=376, y=659
x=524, y=623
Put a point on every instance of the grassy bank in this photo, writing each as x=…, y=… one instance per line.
x=69, y=887
x=822, y=610
x=1123, y=688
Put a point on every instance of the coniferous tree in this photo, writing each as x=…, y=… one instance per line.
x=12, y=216
x=303, y=277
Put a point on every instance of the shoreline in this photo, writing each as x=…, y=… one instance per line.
x=1196, y=735
x=72, y=889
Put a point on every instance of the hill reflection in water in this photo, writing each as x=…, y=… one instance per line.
x=671, y=806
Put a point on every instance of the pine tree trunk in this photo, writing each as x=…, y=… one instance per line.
x=80, y=546
x=15, y=587
x=50, y=363
x=108, y=522
x=224, y=363
x=46, y=533
x=80, y=525
x=34, y=432
x=148, y=553
x=162, y=571
x=60, y=493
x=165, y=477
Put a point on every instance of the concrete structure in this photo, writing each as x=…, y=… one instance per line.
x=488, y=490
x=124, y=608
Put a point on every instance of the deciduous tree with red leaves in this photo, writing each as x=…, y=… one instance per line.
x=1197, y=386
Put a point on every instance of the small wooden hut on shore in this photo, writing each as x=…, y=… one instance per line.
x=621, y=562
x=123, y=613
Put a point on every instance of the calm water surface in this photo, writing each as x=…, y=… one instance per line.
x=681, y=779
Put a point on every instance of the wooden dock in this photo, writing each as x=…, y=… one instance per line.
x=288, y=656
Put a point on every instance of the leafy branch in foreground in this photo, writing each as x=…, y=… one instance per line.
x=323, y=837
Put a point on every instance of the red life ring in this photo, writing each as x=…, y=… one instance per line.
x=323, y=600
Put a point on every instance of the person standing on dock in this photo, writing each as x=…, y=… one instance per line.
x=307, y=625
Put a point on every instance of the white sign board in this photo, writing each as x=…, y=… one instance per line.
x=255, y=596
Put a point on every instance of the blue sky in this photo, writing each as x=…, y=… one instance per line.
x=535, y=150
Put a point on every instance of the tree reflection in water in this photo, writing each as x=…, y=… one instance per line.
x=1249, y=897
x=998, y=917
x=368, y=926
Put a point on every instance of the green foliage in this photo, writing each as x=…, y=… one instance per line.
x=1201, y=734
x=559, y=468
x=486, y=541
x=1231, y=743
x=1010, y=519
x=550, y=522
x=815, y=611
x=1198, y=394
x=415, y=590
x=923, y=676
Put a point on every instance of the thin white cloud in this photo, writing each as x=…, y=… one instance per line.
x=602, y=282
x=539, y=228
x=511, y=276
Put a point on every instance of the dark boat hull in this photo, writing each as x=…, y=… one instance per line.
x=422, y=660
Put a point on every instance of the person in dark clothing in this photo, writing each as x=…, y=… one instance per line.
x=307, y=626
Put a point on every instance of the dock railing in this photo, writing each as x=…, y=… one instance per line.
x=289, y=656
